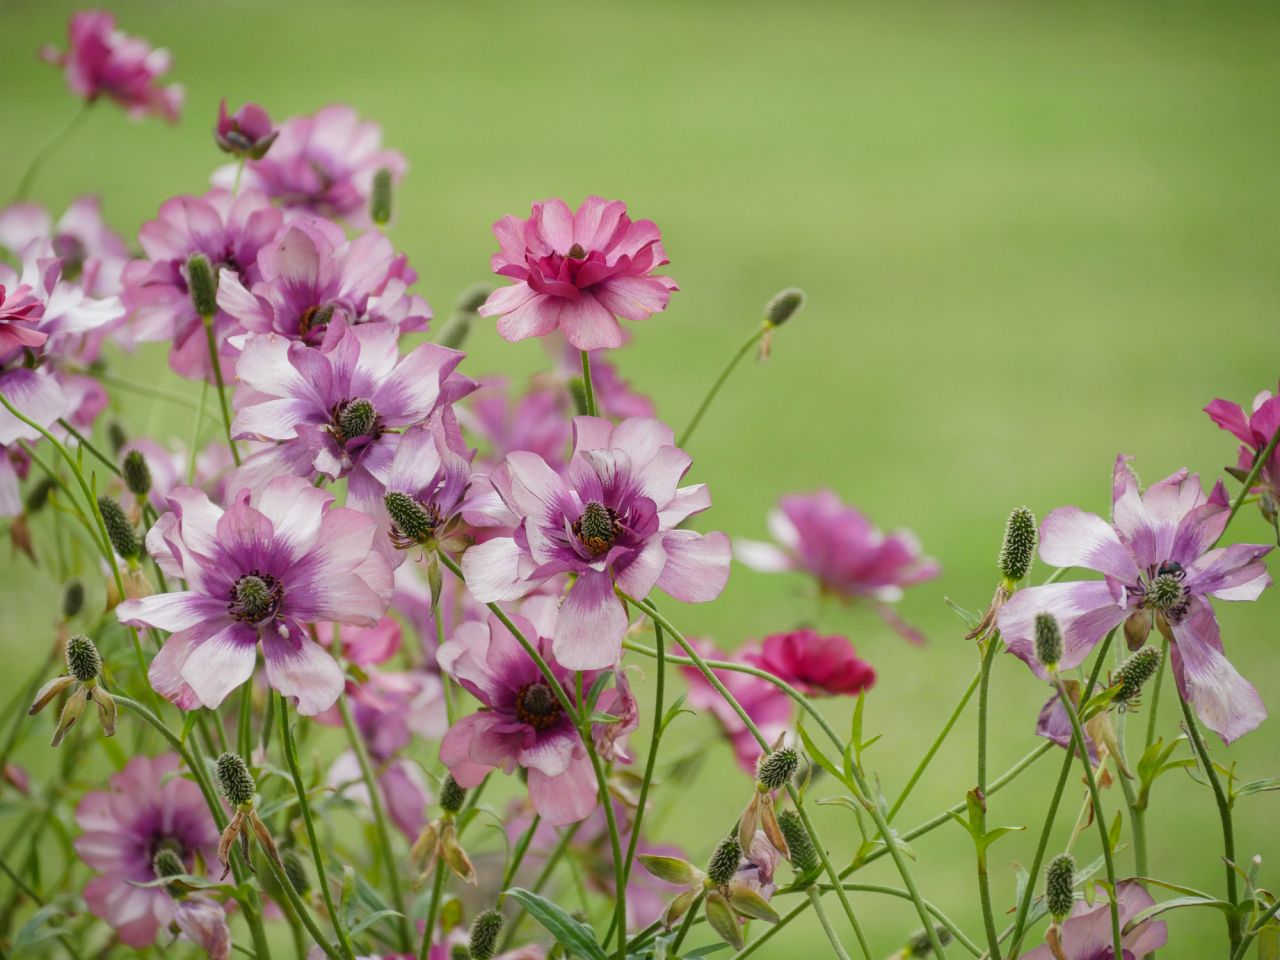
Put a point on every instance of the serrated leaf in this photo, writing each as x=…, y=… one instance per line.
x=575, y=937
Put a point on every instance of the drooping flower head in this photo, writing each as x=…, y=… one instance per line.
x=813, y=664
x=147, y=810
x=102, y=61
x=1158, y=562
x=844, y=551
x=323, y=164
x=1086, y=933
x=577, y=272
x=1254, y=431
x=246, y=133
x=611, y=518
x=261, y=570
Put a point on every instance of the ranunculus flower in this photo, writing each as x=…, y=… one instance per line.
x=204, y=922
x=1158, y=563
x=1254, y=431
x=504, y=423
x=261, y=570
x=849, y=557
x=1086, y=933
x=93, y=255
x=246, y=133
x=813, y=664
x=147, y=809
x=101, y=61
x=577, y=272
x=613, y=517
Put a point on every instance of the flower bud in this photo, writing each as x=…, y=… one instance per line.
x=921, y=946
x=459, y=951
x=1060, y=885
x=137, y=474
x=473, y=298
x=775, y=770
x=72, y=599
x=804, y=857
x=1136, y=629
x=167, y=863
x=1048, y=640
x=116, y=435
x=380, y=199
x=119, y=530
x=1136, y=670
x=38, y=495
x=234, y=780
x=203, y=285
x=1020, y=540
x=83, y=660
x=784, y=305
x=452, y=796
x=484, y=934
x=724, y=861
x=295, y=869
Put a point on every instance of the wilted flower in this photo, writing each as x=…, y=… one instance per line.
x=438, y=842
x=850, y=558
x=83, y=679
x=246, y=133
x=813, y=664
x=1086, y=934
x=576, y=272
x=774, y=772
x=237, y=785
x=204, y=923
x=1254, y=431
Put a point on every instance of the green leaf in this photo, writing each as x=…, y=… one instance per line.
x=372, y=919
x=1257, y=786
x=575, y=937
x=39, y=928
x=970, y=618
x=1185, y=891
x=1177, y=903
x=1113, y=835
x=821, y=758
x=189, y=720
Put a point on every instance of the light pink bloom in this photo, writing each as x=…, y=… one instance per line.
x=1086, y=933
x=204, y=923
x=613, y=518
x=402, y=790
x=246, y=133
x=1254, y=431
x=576, y=272
x=93, y=255
x=261, y=570
x=850, y=558
x=534, y=421
x=103, y=61
x=813, y=664
x=1158, y=562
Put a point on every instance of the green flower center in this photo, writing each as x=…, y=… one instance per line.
x=597, y=528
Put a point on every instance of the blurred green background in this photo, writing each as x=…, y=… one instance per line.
x=1032, y=236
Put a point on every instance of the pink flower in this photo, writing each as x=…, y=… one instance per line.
x=146, y=810
x=93, y=255
x=813, y=664
x=229, y=231
x=204, y=923
x=613, y=518
x=1158, y=562
x=322, y=164
x=767, y=706
x=261, y=570
x=504, y=423
x=402, y=790
x=1086, y=933
x=840, y=547
x=103, y=61
x=248, y=133
x=20, y=313
x=576, y=272
x=1254, y=433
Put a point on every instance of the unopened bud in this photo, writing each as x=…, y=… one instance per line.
x=452, y=796
x=380, y=200
x=234, y=780
x=775, y=770
x=473, y=298
x=1136, y=629
x=1060, y=885
x=119, y=530
x=484, y=934
x=1020, y=540
x=38, y=495
x=804, y=857
x=784, y=305
x=83, y=660
x=459, y=951
x=1048, y=640
x=296, y=870
x=724, y=860
x=1136, y=670
x=137, y=474
x=116, y=435
x=72, y=599
x=203, y=285
x=921, y=946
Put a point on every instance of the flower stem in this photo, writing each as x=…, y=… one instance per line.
x=1254, y=930
x=1259, y=462
x=1155, y=697
x=984, y=882
x=553, y=860
x=815, y=898
x=517, y=857
x=933, y=750
x=196, y=424
x=941, y=917
x=588, y=390
x=214, y=362
x=719, y=382
x=437, y=891
x=687, y=924
x=50, y=147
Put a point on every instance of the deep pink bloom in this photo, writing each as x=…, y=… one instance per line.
x=147, y=809
x=767, y=706
x=204, y=922
x=324, y=163
x=576, y=272
x=263, y=569
x=848, y=555
x=246, y=133
x=612, y=518
x=229, y=231
x=20, y=313
x=103, y=61
x=1086, y=933
x=1254, y=431
x=1157, y=561
x=813, y=664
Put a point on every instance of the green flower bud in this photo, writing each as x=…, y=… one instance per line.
x=775, y=770
x=452, y=796
x=295, y=868
x=484, y=934
x=72, y=599
x=459, y=951
x=119, y=530
x=1048, y=640
x=724, y=860
x=1136, y=670
x=137, y=474
x=804, y=857
x=234, y=780
x=116, y=436
x=473, y=298
x=38, y=495
x=784, y=305
x=921, y=946
x=203, y=285
x=1021, y=537
x=83, y=660
x=380, y=200
x=1060, y=885
x=167, y=863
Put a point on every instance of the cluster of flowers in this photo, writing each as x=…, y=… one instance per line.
x=494, y=541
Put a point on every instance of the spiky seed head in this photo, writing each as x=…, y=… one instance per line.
x=775, y=770
x=234, y=779
x=409, y=516
x=203, y=284
x=38, y=495
x=380, y=199
x=1048, y=639
x=72, y=598
x=1060, y=885
x=804, y=857
x=484, y=934
x=116, y=436
x=83, y=660
x=921, y=946
x=295, y=868
x=459, y=951
x=1165, y=592
x=119, y=530
x=1136, y=670
x=1017, y=551
x=724, y=860
x=452, y=796
x=473, y=298
x=137, y=473
x=784, y=305
x=357, y=418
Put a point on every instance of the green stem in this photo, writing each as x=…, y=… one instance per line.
x=719, y=382
x=244, y=734
x=687, y=924
x=933, y=749
x=1259, y=462
x=1254, y=930
x=588, y=390
x=44, y=153
x=984, y=882
x=960, y=936
x=815, y=898
x=562, y=845
x=300, y=908
x=212, y=340
x=437, y=891
x=1153, y=709
x=196, y=424
x=517, y=858
x=88, y=445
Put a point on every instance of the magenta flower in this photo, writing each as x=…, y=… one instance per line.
x=1254, y=432
x=613, y=518
x=229, y=231
x=813, y=664
x=1086, y=933
x=1158, y=562
x=246, y=133
x=1054, y=724
x=103, y=61
x=20, y=313
x=850, y=558
x=322, y=164
x=534, y=422
x=767, y=706
x=261, y=570
x=523, y=723
x=434, y=478
x=576, y=272
x=147, y=809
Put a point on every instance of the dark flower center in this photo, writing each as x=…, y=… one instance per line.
x=598, y=527
x=255, y=597
x=537, y=706
x=576, y=252
x=356, y=418
x=315, y=317
x=72, y=253
x=1166, y=594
